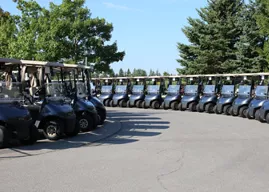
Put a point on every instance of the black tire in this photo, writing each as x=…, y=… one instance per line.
x=139, y=104
x=128, y=104
x=257, y=114
x=144, y=105
x=85, y=123
x=192, y=106
x=180, y=108
x=111, y=104
x=242, y=111
x=198, y=108
x=215, y=109
x=53, y=129
x=123, y=103
x=102, y=116
x=226, y=109
x=4, y=137
x=106, y=103
x=209, y=108
x=267, y=118
x=248, y=115
x=155, y=105
x=231, y=111
x=174, y=105
x=33, y=136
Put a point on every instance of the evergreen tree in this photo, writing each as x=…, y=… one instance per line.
x=129, y=74
x=157, y=73
x=121, y=73
x=213, y=38
x=151, y=73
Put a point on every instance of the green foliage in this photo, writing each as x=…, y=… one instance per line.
x=121, y=73
x=62, y=32
x=166, y=74
x=129, y=74
x=223, y=40
x=139, y=72
x=151, y=73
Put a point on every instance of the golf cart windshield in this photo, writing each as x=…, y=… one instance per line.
x=191, y=90
x=173, y=89
x=81, y=90
x=106, y=89
x=244, y=90
x=138, y=88
x=261, y=91
x=121, y=88
x=209, y=89
x=227, y=90
x=10, y=92
x=55, y=90
x=153, y=89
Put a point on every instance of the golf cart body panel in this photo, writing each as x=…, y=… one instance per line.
x=101, y=110
x=173, y=94
x=106, y=93
x=264, y=110
x=13, y=114
x=153, y=95
x=243, y=99
x=137, y=94
x=120, y=94
x=227, y=97
x=260, y=98
x=208, y=97
x=190, y=95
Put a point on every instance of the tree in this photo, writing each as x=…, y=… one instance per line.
x=139, y=72
x=166, y=74
x=151, y=73
x=213, y=38
x=157, y=73
x=262, y=19
x=121, y=73
x=64, y=31
x=129, y=74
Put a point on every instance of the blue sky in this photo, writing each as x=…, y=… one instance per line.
x=148, y=30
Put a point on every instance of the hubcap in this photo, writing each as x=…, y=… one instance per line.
x=52, y=130
x=83, y=123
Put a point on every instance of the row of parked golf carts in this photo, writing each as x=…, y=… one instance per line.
x=49, y=98
x=244, y=95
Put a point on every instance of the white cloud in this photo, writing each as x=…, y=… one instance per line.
x=120, y=7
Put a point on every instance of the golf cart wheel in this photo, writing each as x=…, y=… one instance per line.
x=248, y=115
x=209, y=108
x=242, y=111
x=174, y=105
x=257, y=114
x=106, y=103
x=85, y=123
x=180, y=108
x=144, y=105
x=4, y=137
x=128, y=104
x=267, y=118
x=193, y=106
x=163, y=106
x=226, y=109
x=139, y=104
x=215, y=109
x=53, y=129
x=155, y=105
x=110, y=103
x=123, y=103
x=33, y=136
x=198, y=108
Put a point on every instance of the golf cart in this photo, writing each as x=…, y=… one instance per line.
x=209, y=98
x=106, y=93
x=261, y=96
x=47, y=103
x=191, y=95
x=15, y=119
x=173, y=97
x=86, y=115
x=244, y=97
x=227, y=97
x=120, y=98
x=153, y=97
x=138, y=94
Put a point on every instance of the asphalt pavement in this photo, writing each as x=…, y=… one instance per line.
x=146, y=150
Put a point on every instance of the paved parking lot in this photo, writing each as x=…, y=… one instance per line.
x=147, y=150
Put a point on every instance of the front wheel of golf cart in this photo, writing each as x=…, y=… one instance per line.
x=139, y=104
x=257, y=114
x=226, y=110
x=53, y=129
x=155, y=105
x=107, y=102
x=242, y=111
x=180, y=108
x=209, y=108
x=215, y=109
x=248, y=115
x=111, y=103
x=144, y=105
x=85, y=123
x=198, y=108
x=193, y=106
x=33, y=136
x=267, y=118
x=4, y=137
x=128, y=104
x=174, y=105
x=123, y=103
